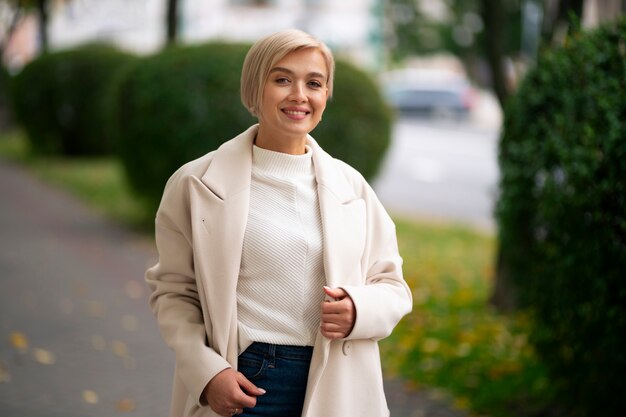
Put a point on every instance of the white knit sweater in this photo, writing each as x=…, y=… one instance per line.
x=281, y=277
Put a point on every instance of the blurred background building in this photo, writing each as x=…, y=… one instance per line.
x=353, y=28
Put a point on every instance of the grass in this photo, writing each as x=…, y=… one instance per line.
x=452, y=341
x=100, y=182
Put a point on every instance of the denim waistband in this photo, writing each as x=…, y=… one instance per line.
x=284, y=351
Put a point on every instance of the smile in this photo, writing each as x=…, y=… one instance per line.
x=296, y=112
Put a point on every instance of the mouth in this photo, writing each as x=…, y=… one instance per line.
x=296, y=113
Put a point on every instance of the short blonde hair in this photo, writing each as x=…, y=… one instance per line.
x=264, y=55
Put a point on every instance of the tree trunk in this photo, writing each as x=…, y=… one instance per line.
x=557, y=25
x=42, y=13
x=504, y=294
x=493, y=16
x=171, y=21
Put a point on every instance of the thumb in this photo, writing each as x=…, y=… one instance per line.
x=335, y=293
x=248, y=387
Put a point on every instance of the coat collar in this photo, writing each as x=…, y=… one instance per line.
x=229, y=172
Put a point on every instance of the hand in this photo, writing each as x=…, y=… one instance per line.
x=338, y=314
x=230, y=391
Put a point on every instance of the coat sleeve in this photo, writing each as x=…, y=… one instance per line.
x=174, y=299
x=384, y=298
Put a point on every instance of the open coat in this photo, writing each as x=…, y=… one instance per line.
x=200, y=228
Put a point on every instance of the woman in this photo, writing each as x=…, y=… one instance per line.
x=278, y=268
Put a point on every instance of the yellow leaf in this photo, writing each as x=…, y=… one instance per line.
x=5, y=376
x=44, y=357
x=19, y=341
x=119, y=348
x=90, y=397
x=125, y=405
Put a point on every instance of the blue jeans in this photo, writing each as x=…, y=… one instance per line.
x=282, y=371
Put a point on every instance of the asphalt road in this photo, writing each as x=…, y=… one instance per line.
x=444, y=170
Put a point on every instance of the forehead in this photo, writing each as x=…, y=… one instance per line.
x=308, y=60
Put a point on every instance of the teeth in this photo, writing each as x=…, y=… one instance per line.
x=295, y=112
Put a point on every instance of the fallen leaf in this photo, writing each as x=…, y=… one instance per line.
x=5, y=376
x=120, y=349
x=19, y=341
x=44, y=357
x=125, y=405
x=90, y=397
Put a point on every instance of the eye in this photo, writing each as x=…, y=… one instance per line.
x=281, y=80
x=315, y=84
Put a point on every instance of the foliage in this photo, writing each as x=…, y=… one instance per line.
x=452, y=340
x=184, y=102
x=357, y=122
x=459, y=30
x=562, y=214
x=59, y=99
x=173, y=107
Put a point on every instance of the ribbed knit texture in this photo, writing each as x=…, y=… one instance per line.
x=281, y=277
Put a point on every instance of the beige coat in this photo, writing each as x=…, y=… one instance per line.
x=200, y=228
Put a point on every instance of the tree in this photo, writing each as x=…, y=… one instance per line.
x=171, y=21
x=42, y=15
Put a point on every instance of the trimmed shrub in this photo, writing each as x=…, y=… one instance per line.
x=59, y=99
x=357, y=122
x=562, y=214
x=173, y=107
x=184, y=102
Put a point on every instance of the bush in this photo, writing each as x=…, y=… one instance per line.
x=357, y=122
x=59, y=99
x=562, y=214
x=184, y=102
x=175, y=106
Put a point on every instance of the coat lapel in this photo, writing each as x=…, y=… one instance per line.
x=334, y=193
x=223, y=204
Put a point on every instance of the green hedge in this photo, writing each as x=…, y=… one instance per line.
x=174, y=106
x=356, y=126
x=59, y=99
x=562, y=214
x=184, y=102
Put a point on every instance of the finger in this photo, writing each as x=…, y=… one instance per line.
x=333, y=327
x=337, y=307
x=336, y=293
x=247, y=386
x=333, y=335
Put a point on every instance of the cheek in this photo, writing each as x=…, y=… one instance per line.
x=321, y=106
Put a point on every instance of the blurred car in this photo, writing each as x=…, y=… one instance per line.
x=434, y=94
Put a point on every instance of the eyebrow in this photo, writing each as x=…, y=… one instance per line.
x=288, y=71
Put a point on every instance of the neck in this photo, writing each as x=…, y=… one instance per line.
x=273, y=141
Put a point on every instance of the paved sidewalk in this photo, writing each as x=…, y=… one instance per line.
x=76, y=335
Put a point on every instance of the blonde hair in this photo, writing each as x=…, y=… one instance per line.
x=264, y=55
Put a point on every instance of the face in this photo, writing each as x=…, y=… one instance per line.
x=294, y=96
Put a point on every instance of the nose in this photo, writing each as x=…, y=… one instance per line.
x=297, y=92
